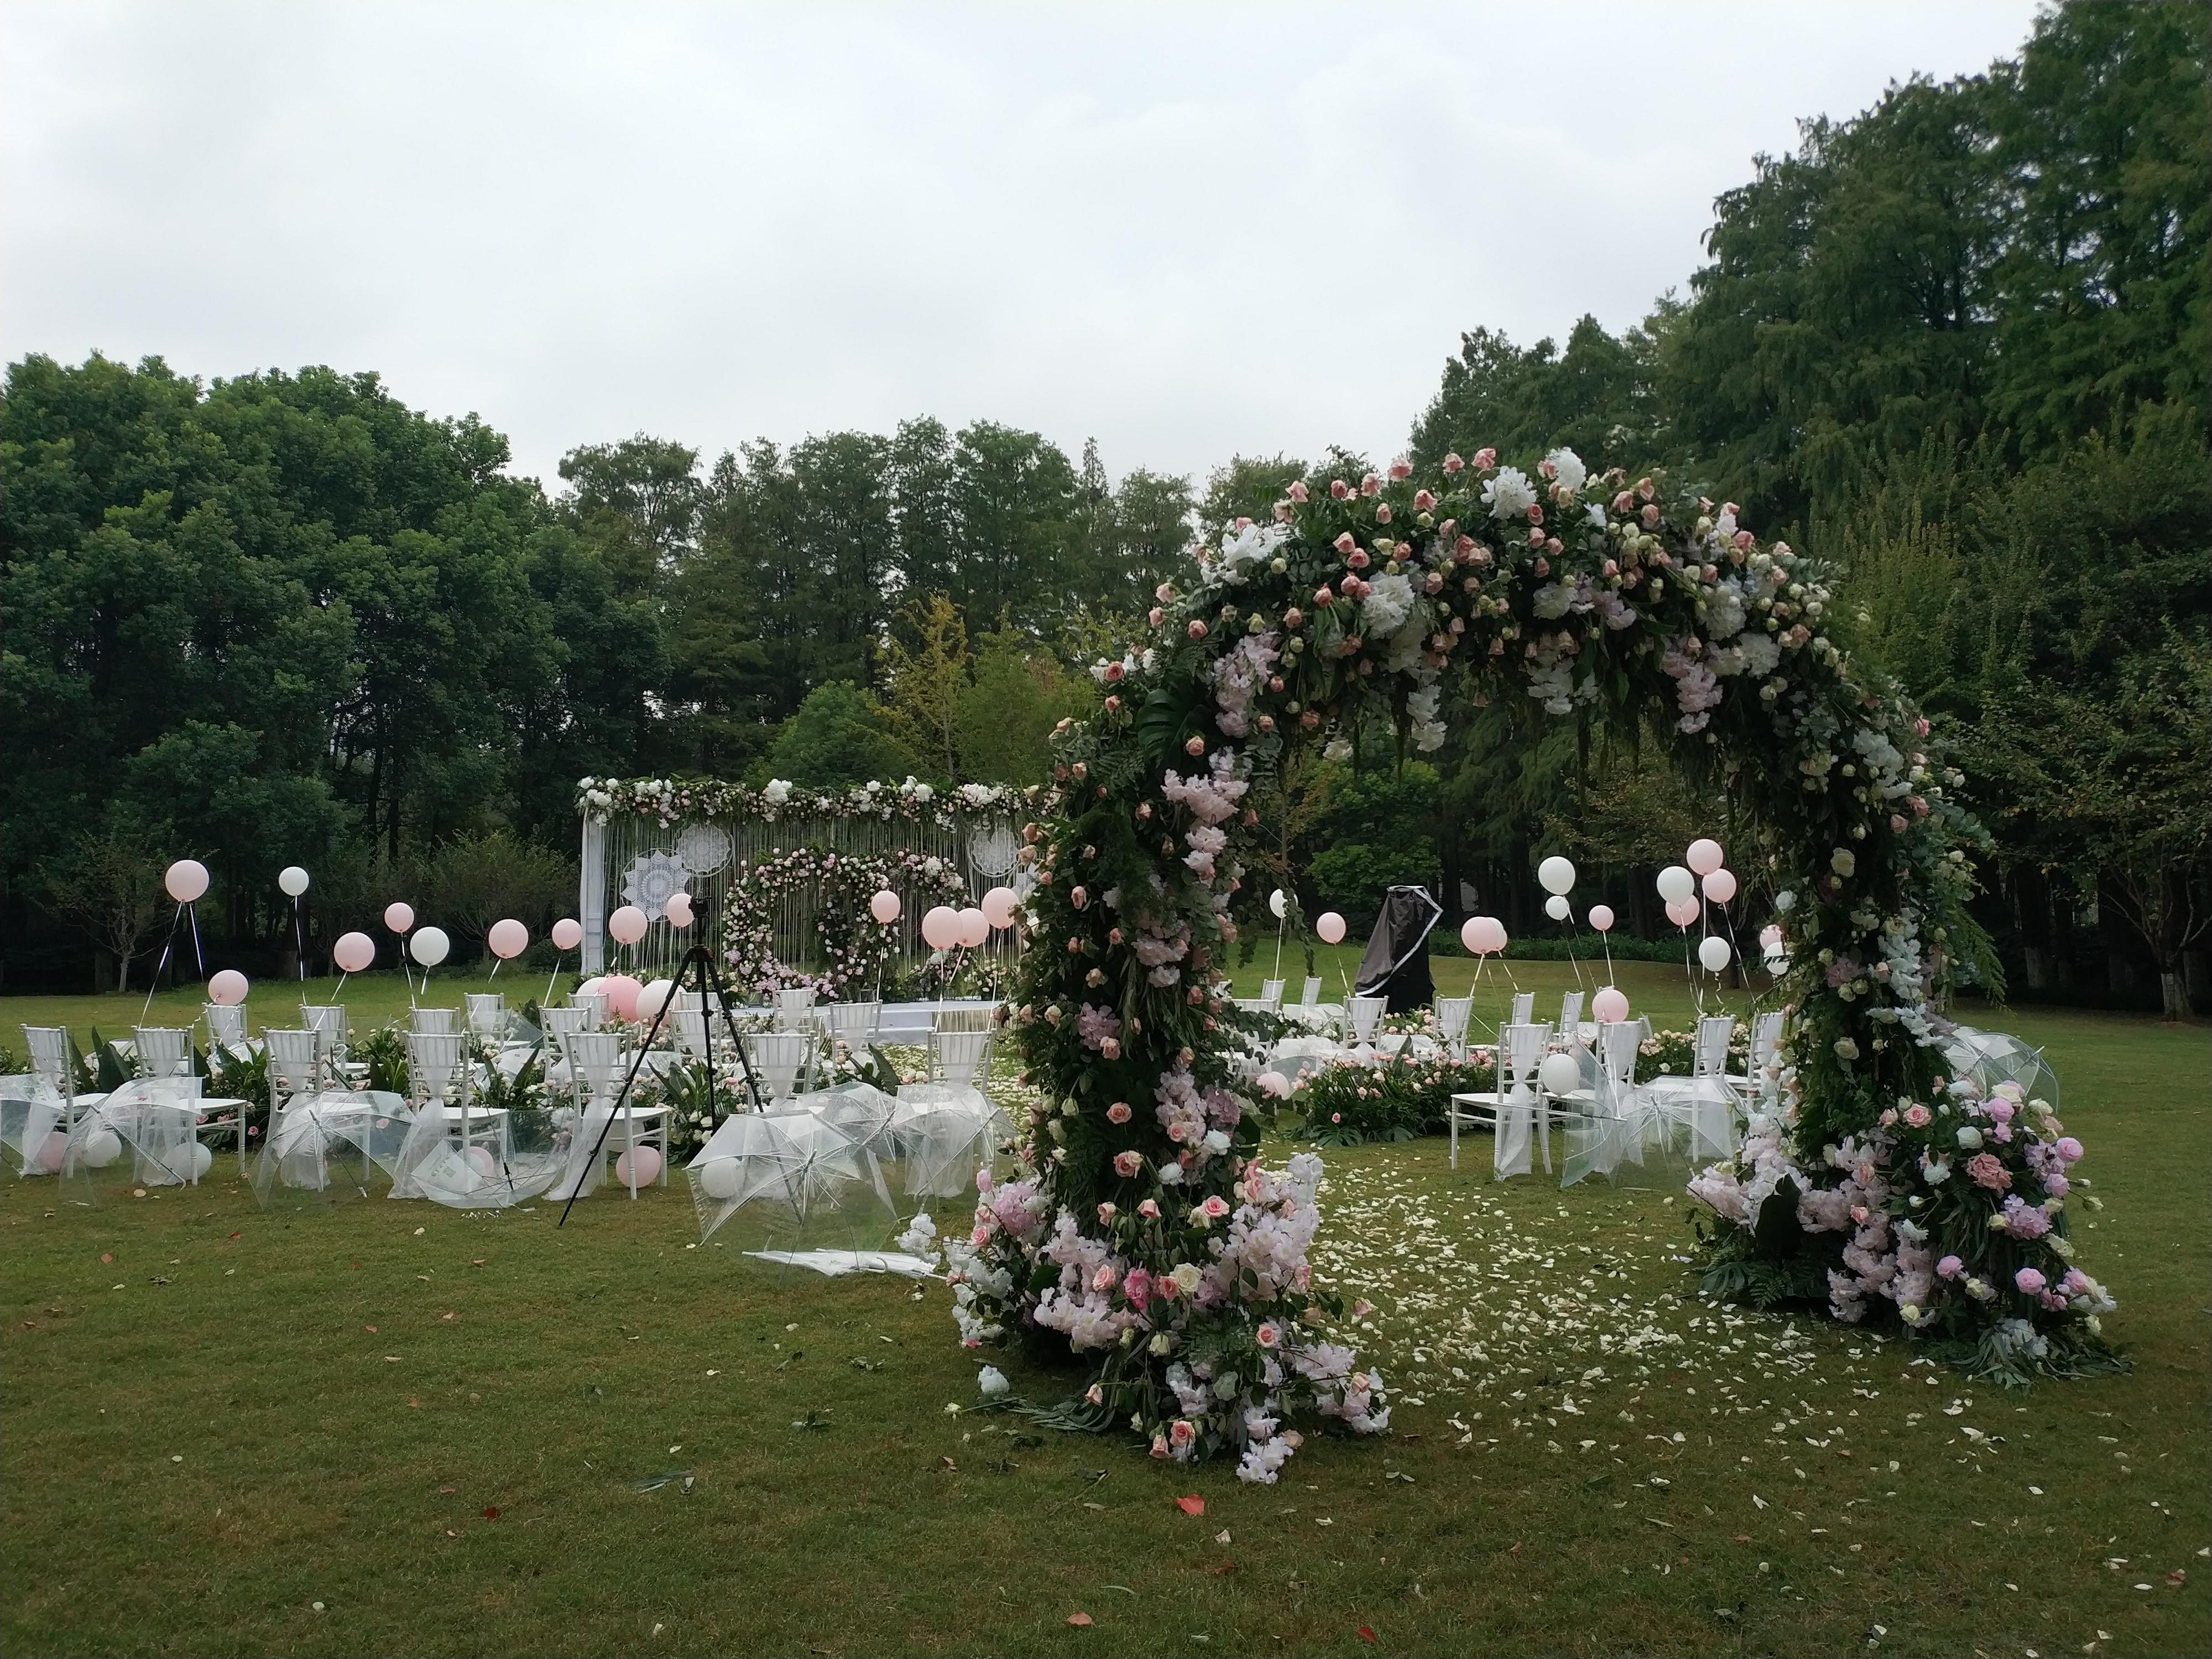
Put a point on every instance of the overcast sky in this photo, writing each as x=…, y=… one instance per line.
x=1188, y=231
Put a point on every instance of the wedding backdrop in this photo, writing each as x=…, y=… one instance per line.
x=645, y=839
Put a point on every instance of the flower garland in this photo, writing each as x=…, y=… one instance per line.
x=1141, y=1224
x=853, y=943
x=670, y=800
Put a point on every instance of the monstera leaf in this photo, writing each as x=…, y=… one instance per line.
x=1170, y=715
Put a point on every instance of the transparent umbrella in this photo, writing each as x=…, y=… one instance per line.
x=797, y=1188
x=946, y=1133
x=148, y=1128
x=1994, y=1057
x=326, y=1148
x=31, y=1112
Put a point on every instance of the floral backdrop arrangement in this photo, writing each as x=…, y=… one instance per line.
x=1140, y=1227
x=851, y=945
x=672, y=800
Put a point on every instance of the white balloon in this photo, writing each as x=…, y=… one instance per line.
x=1557, y=874
x=1676, y=884
x=1714, y=953
x=186, y=880
x=627, y=925
x=1704, y=856
x=1556, y=907
x=652, y=1000
x=292, y=879
x=429, y=946
x=1278, y=902
x=718, y=1178
x=1561, y=1075
x=102, y=1147
x=190, y=1163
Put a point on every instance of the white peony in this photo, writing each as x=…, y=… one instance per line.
x=1509, y=495
x=1388, y=603
x=777, y=792
x=1567, y=468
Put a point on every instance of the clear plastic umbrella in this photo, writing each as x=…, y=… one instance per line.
x=946, y=1133
x=326, y=1148
x=795, y=1184
x=1994, y=1057
x=149, y=1129
x=31, y=1112
x=494, y=1159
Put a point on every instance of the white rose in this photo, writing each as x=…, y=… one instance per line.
x=1509, y=495
x=1567, y=468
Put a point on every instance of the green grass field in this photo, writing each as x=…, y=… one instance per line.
x=394, y=1428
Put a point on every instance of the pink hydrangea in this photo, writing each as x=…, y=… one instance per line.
x=1949, y=1268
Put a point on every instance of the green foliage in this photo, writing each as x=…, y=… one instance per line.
x=1377, y=831
x=838, y=737
x=384, y=1051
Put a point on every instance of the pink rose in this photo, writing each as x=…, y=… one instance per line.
x=1194, y=746
x=1197, y=629
x=1138, y=1287
x=1183, y=1431
x=1118, y=1112
x=1109, y=1048
x=1988, y=1172
x=1267, y=1335
x=1383, y=513
x=1651, y=518
x=1150, y=1209
x=2069, y=1149
x=1114, y=672
x=1216, y=1207
x=1155, y=616
x=1452, y=462
x=2029, y=1280
x=1159, y=1445
x=1423, y=501
x=1125, y=1164
x=1949, y=1268
x=1298, y=492
x=983, y=1179
x=1095, y=1394
x=1484, y=460
x=1917, y=1115
x=979, y=1237
x=1345, y=544
x=1401, y=469
x=1107, y=1211
x=1369, y=485
x=1357, y=559
x=1103, y=1278
x=1337, y=490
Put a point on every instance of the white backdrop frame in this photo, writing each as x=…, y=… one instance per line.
x=642, y=834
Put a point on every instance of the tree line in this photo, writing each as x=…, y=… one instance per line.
x=1957, y=342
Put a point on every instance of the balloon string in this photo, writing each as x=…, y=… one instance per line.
x=194, y=910
x=155, y=984
x=299, y=940
x=548, y=997
x=1573, y=959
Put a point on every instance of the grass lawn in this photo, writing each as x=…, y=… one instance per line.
x=436, y=1425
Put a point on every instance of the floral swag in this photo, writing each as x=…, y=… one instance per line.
x=671, y=800
x=851, y=943
x=1140, y=1226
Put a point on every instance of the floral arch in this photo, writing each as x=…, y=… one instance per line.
x=1141, y=1226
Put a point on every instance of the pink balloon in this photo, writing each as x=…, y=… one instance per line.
x=998, y=906
x=1275, y=1083
x=568, y=933
x=627, y=926
x=1770, y=936
x=622, y=993
x=1468, y=934
x=399, y=916
x=884, y=907
x=509, y=939
x=51, y=1152
x=1484, y=935
x=644, y=1160
x=1720, y=886
x=1610, y=1006
x=1330, y=927
x=940, y=927
x=1683, y=912
x=228, y=989
x=353, y=951
x=186, y=880
x=1704, y=857
x=975, y=927
x=1601, y=917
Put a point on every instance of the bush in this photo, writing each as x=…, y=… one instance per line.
x=473, y=881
